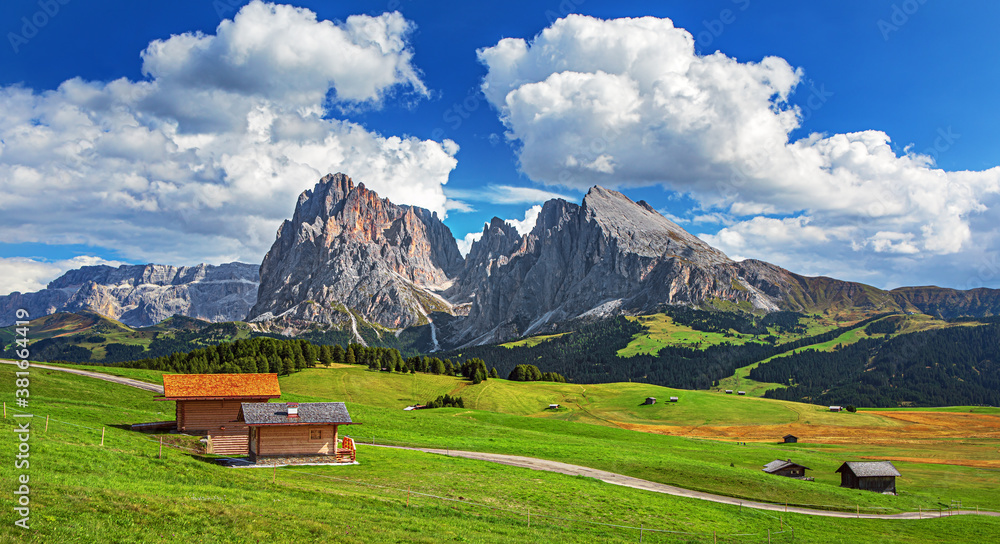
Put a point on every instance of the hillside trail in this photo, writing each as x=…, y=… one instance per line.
x=638, y=483
x=146, y=386
x=577, y=470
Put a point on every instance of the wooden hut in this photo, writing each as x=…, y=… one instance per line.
x=674, y=399
x=650, y=400
x=310, y=429
x=790, y=439
x=786, y=468
x=208, y=404
x=836, y=408
x=878, y=476
x=741, y=392
x=729, y=391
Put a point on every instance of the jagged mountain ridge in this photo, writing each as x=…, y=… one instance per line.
x=347, y=257
x=347, y=252
x=605, y=256
x=143, y=295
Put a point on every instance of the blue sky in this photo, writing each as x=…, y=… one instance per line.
x=911, y=71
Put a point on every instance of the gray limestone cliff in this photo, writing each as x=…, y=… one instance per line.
x=607, y=256
x=143, y=295
x=347, y=253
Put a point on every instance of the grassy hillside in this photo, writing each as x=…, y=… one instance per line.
x=91, y=337
x=122, y=492
x=563, y=434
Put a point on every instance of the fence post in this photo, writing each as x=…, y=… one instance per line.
x=46, y=423
x=5, y=410
x=529, y=516
x=102, y=437
x=274, y=474
x=768, y=536
x=859, y=509
x=407, y=496
x=715, y=538
x=640, y=533
x=160, y=455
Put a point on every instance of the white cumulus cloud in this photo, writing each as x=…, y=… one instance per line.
x=202, y=160
x=26, y=275
x=628, y=102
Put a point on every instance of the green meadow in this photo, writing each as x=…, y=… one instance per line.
x=123, y=492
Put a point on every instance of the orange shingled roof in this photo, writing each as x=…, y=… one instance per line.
x=220, y=385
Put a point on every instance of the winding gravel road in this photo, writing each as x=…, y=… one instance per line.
x=576, y=470
x=638, y=483
x=98, y=375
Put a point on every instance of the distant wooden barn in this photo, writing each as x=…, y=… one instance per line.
x=741, y=392
x=836, y=408
x=790, y=439
x=674, y=399
x=729, y=391
x=291, y=429
x=650, y=400
x=786, y=468
x=208, y=404
x=878, y=476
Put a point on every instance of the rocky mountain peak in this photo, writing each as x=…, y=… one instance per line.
x=639, y=229
x=346, y=248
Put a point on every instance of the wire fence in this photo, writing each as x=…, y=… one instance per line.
x=532, y=514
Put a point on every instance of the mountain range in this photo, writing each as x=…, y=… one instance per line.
x=349, y=259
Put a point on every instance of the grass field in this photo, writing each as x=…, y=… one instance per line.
x=828, y=438
x=122, y=492
x=532, y=341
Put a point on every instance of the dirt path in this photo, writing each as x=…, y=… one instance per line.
x=106, y=377
x=637, y=483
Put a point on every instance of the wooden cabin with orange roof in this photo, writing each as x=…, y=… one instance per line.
x=209, y=404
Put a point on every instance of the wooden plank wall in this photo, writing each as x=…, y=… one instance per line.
x=294, y=440
x=216, y=419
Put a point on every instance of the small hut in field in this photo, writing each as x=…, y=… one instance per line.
x=208, y=404
x=310, y=429
x=790, y=439
x=786, y=468
x=877, y=476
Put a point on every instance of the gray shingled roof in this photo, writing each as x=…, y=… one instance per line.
x=276, y=413
x=778, y=464
x=868, y=469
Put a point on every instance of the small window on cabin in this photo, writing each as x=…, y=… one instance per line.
x=315, y=434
